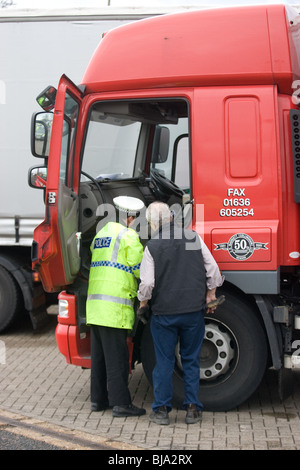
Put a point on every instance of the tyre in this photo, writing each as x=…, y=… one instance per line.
x=233, y=357
x=10, y=299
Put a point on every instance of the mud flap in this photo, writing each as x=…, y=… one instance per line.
x=39, y=318
x=38, y=309
x=285, y=383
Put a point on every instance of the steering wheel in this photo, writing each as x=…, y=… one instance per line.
x=164, y=185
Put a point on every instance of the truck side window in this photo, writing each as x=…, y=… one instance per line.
x=68, y=139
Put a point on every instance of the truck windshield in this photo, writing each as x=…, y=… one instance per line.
x=124, y=138
x=111, y=145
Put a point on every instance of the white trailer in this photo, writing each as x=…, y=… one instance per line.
x=37, y=47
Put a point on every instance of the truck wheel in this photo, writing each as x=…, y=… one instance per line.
x=10, y=299
x=233, y=357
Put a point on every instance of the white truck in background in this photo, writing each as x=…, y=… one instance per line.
x=36, y=48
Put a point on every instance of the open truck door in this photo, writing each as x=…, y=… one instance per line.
x=55, y=251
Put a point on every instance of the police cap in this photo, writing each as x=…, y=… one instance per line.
x=129, y=205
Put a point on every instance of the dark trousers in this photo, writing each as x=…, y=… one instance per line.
x=166, y=330
x=109, y=366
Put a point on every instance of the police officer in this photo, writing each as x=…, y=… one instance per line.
x=179, y=275
x=115, y=266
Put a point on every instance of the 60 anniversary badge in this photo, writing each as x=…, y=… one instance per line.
x=241, y=246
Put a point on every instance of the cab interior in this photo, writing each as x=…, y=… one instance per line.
x=134, y=148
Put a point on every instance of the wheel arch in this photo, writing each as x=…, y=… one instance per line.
x=262, y=307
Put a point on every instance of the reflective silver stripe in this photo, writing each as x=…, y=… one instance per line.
x=116, y=247
x=110, y=298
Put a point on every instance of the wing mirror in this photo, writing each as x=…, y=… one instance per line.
x=41, y=127
x=37, y=177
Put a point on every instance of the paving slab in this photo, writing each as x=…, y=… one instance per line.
x=36, y=382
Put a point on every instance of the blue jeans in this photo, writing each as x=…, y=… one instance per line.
x=166, y=330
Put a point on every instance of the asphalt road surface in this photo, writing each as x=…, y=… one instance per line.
x=12, y=441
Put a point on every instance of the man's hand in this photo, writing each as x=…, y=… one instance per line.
x=212, y=303
x=143, y=312
x=210, y=297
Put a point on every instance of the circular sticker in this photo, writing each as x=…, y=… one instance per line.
x=241, y=246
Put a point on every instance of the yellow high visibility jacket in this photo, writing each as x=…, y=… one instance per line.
x=115, y=267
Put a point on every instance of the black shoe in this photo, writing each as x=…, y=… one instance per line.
x=192, y=414
x=127, y=410
x=161, y=416
x=99, y=407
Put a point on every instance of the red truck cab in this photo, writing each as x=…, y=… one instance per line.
x=200, y=110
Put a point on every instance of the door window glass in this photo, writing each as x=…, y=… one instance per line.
x=68, y=139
